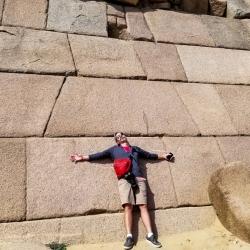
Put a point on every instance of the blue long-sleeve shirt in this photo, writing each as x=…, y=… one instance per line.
x=117, y=152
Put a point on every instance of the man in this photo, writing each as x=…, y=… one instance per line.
x=132, y=187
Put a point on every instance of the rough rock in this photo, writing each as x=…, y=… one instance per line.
x=215, y=65
x=137, y=26
x=27, y=50
x=97, y=56
x=196, y=158
x=121, y=23
x=115, y=10
x=130, y=2
x=174, y=27
x=1, y=9
x=30, y=99
x=77, y=16
x=12, y=179
x=86, y=188
x=234, y=34
x=246, y=23
x=235, y=148
x=166, y=62
x=112, y=21
x=111, y=227
x=217, y=7
x=237, y=101
x=229, y=190
x=21, y=245
x=79, y=95
x=238, y=9
x=206, y=108
x=163, y=6
x=195, y=6
x=18, y=13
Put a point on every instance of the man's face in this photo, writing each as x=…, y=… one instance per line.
x=120, y=138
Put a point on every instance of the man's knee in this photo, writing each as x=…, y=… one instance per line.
x=128, y=207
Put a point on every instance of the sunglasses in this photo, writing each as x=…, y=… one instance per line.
x=119, y=135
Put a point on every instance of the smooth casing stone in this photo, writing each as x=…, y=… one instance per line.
x=238, y=9
x=77, y=16
x=26, y=102
x=206, y=108
x=12, y=179
x=26, y=50
x=229, y=190
x=18, y=13
x=217, y=7
x=234, y=34
x=195, y=6
x=215, y=65
x=137, y=26
x=105, y=57
x=174, y=27
x=160, y=61
x=97, y=100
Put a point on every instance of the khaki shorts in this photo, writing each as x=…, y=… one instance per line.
x=127, y=195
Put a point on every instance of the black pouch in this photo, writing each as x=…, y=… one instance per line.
x=130, y=178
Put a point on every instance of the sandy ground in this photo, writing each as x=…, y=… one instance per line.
x=215, y=237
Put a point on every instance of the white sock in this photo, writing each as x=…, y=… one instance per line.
x=150, y=234
x=129, y=235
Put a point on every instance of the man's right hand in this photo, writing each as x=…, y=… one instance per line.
x=76, y=157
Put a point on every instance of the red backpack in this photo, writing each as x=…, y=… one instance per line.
x=122, y=167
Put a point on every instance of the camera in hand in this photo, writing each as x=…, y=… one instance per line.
x=170, y=157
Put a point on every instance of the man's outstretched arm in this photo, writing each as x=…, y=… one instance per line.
x=151, y=156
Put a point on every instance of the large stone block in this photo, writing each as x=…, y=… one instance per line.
x=229, y=192
x=174, y=27
x=108, y=228
x=43, y=231
x=25, y=50
x=235, y=148
x=160, y=61
x=78, y=17
x=196, y=159
x=215, y=65
x=26, y=102
x=237, y=101
x=26, y=13
x=57, y=187
x=234, y=34
x=238, y=9
x=195, y=6
x=12, y=179
x=97, y=56
x=93, y=101
x=137, y=26
x=206, y=108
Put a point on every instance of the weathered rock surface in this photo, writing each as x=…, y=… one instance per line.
x=12, y=179
x=1, y=9
x=111, y=227
x=77, y=16
x=217, y=7
x=237, y=102
x=215, y=65
x=115, y=10
x=93, y=101
x=25, y=50
x=105, y=57
x=21, y=245
x=174, y=27
x=229, y=192
x=26, y=13
x=195, y=6
x=137, y=26
x=227, y=33
x=238, y=9
x=160, y=61
x=85, y=188
x=207, y=109
x=235, y=148
x=26, y=102
x=196, y=160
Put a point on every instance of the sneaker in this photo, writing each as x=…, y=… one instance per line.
x=129, y=243
x=153, y=241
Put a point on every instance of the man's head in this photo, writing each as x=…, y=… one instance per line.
x=120, y=137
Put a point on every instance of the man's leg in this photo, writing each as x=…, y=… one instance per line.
x=145, y=217
x=128, y=217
